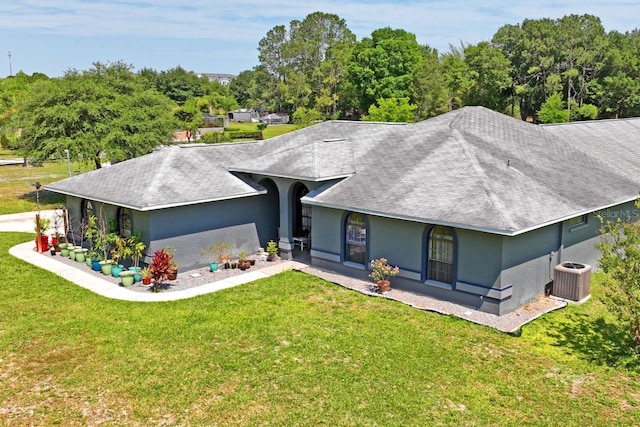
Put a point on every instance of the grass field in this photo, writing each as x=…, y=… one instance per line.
x=269, y=132
x=295, y=350
x=289, y=350
x=16, y=194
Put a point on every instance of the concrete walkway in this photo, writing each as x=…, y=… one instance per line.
x=23, y=221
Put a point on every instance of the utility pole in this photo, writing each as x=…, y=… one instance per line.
x=10, y=70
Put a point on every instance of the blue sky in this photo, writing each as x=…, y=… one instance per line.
x=52, y=36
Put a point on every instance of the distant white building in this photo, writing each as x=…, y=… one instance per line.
x=223, y=79
x=244, y=115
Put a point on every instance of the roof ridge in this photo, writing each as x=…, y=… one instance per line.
x=155, y=182
x=507, y=224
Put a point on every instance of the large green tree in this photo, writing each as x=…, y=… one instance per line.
x=391, y=110
x=548, y=56
x=382, y=65
x=177, y=83
x=306, y=61
x=617, y=90
x=428, y=88
x=104, y=111
x=12, y=90
x=490, y=77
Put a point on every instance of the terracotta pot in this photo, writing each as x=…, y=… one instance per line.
x=172, y=275
x=384, y=285
x=146, y=281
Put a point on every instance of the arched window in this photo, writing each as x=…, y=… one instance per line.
x=440, y=262
x=86, y=210
x=124, y=222
x=356, y=239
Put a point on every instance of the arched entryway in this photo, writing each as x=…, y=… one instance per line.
x=270, y=216
x=300, y=218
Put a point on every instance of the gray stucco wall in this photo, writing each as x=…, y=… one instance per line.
x=494, y=273
x=578, y=243
x=404, y=243
x=528, y=261
x=247, y=223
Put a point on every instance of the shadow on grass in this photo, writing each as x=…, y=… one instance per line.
x=596, y=340
x=47, y=198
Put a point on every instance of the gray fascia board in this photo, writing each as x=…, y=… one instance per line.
x=310, y=201
x=296, y=177
x=165, y=206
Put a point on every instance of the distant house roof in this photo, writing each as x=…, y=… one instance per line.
x=471, y=168
x=275, y=118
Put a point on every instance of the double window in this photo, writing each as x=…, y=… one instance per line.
x=356, y=239
x=440, y=261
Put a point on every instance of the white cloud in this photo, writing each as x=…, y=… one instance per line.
x=232, y=29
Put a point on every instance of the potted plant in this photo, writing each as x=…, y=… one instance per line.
x=64, y=249
x=58, y=222
x=146, y=276
x=242, y=260
x=381, y=272
x=134, y=250
x=91, y=257
x=117, y=252
x=80, y=254
x=43, y=226
x=127, y=278
x=106, y=266
x=161, y=266
x=219, y=253
x=272, y=250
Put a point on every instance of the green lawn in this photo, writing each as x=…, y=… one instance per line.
x=16, y=195
x=269, y=132
x=295, y=350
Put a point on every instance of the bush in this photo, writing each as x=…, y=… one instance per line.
x=215, y=138
x=243, y=134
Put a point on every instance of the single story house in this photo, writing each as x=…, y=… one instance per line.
x=244, y=115
x=474, y=206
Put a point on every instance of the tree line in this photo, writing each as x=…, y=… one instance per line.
x=543, y=70
x=107, y=111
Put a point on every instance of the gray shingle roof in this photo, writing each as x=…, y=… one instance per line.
x=171, y=176
x=312, y=161
x=451, y=169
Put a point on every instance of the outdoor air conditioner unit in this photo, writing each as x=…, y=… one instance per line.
x=572, y=281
